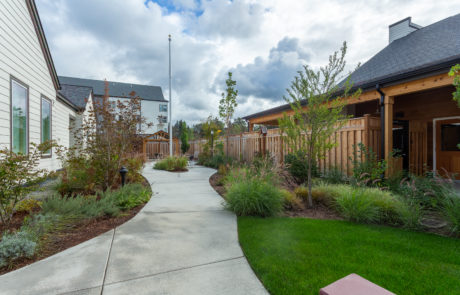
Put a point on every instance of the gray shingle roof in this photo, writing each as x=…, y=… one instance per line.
x=117, y=89
x=76, y=94
x=434, y=44
x=432, y=48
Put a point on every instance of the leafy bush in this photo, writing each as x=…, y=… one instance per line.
x=356, y=206
x=28, y=205
x=451, y=211
x=297, y=166
x=172, y=164
x=255, y=198
x=14, y=246
x=19, y=176
x=134, y=164
x=333, y=175
x=129, y=196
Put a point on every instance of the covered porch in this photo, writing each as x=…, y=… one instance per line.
x=421, y=125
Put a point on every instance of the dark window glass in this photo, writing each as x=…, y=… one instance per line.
x=450, y=137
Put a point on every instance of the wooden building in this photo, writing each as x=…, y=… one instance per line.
x=407, y=87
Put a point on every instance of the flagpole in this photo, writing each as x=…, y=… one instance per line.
x=170, y=103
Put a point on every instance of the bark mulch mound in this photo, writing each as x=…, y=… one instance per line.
x=317, y=212
x=71, y=236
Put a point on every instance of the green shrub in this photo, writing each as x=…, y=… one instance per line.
x=301, y=192
x=356, y=206
x=429, y=190
x=410, y=215
x=296, y=164
x=387, y=205
x=367, y=169
x=28, y=205
x=255, y=198
x=291, y=201
x=451, y=211
x=14, y=246
x=333, y=175
x=80, y=206
x=172, y=164
x=129, y=196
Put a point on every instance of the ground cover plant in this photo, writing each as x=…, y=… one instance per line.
x=48, y=219
x=173, y=163
x=301, y=255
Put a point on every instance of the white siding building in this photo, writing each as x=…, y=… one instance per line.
x=31, y=109
x=154, y=107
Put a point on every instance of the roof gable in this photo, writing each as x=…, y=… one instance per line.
x=42, y=40
x=431, y=45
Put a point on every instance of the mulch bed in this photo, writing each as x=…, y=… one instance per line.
x=71, y=236
x=317, y=212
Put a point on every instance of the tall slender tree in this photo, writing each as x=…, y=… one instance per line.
x=318, y=103
x=227, y=105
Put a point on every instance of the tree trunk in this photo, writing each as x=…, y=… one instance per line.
x=310, y=200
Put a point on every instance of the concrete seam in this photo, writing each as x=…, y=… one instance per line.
x=175, y=270
x=107, y=262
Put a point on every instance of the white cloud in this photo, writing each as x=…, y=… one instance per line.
x=264, y=42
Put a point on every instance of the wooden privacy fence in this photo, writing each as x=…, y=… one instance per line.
x=157, y=145
x=245, y=146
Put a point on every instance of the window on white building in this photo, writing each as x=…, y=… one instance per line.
x=46, y=122
x=163, y=107
x=19, y=117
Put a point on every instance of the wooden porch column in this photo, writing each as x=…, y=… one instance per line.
x=251, y=127
x=389, y=101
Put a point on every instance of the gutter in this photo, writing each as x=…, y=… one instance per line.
x=382, y=121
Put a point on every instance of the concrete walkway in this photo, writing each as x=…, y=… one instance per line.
x=182, y=242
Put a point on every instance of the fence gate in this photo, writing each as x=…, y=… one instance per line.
x=156, y=146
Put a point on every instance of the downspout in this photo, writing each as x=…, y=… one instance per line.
x=382, y=121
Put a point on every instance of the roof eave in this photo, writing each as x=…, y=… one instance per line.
x=434, y=68
x=42, y=40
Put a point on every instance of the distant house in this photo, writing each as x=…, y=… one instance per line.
x=35, y=104
x=32, y=108
x=407, y=90
x=154, y=107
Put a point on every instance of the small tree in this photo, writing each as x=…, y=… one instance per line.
x=19, y=176
x=455, y=72
x=317, y=111
x=184, y=138
x=107, y=138
x=228, y=104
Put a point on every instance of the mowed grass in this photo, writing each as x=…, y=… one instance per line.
x=300, y=256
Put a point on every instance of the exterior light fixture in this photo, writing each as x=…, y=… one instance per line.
x=123, y=172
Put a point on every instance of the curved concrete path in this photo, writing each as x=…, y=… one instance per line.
x=182, y=242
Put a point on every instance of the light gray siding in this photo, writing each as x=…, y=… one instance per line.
x=21, y=57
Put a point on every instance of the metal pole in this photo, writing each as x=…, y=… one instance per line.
x=170, y=103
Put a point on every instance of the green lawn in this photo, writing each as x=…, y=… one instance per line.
x=299, y=256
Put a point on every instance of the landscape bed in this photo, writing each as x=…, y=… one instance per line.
x=77, y=229
x=300, y=255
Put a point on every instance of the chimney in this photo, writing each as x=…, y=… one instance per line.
x=402, y=28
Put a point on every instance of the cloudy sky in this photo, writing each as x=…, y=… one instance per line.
x=264, y=43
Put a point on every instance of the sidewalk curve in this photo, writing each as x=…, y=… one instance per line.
x=181, y=242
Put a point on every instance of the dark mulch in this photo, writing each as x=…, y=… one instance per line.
x=216, y=182
x=317, y=212
x=73, y=236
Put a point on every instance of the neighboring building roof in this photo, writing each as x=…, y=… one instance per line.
x=428, y=50
x=42, y=40
x=78, y=95
x=116, y=89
